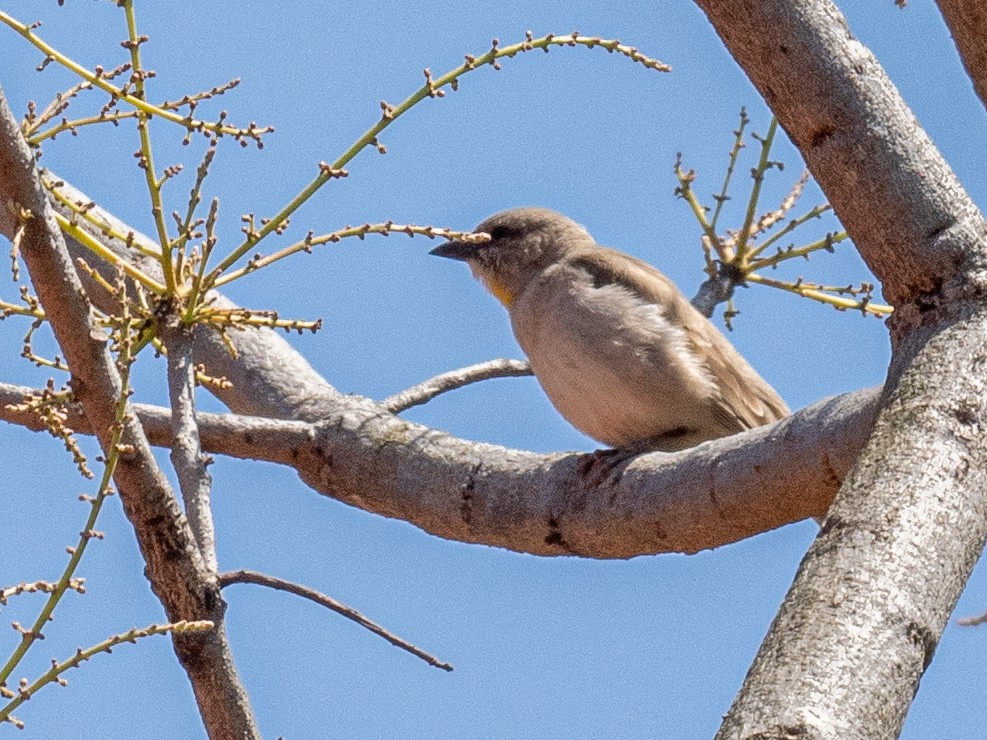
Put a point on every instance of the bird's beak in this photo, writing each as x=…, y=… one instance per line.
x=456, y=250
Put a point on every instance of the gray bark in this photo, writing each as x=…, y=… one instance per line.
x=186, y=457
x=861, y=622
x=714, y=494
x=967, y=21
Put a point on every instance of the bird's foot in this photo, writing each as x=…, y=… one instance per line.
x=600, y=466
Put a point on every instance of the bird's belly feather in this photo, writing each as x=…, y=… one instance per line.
x=612, y=365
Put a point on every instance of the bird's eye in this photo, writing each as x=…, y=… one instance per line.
x=500, y=232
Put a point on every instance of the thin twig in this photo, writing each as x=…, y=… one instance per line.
x=433, y=88
x=769, y=219
x=748, y=229
x=788, y=228
x=91, y=214
x=89, y=532
x=972, y=621
x=738, y=144
x=54, y=674
x=99, y=79
x=262, y=579
x=685, y=191
x=145, y=159
x=100, y=250
x=425, y=392
x=43, y=587
x=825, y=294
x=385, y=228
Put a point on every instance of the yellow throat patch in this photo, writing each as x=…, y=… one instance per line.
x=498, y=289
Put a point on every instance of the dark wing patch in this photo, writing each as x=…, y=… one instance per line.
x=600, y=273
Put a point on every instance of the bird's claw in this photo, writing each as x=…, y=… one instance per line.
x=600, y=466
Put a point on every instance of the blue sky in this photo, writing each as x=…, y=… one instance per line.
x=653, y=647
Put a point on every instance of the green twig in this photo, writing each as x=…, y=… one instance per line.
x=789, y=227
x=89, y=532
x=763, y=164
x=432, y=88
x=826, y=243
x=824, y=294
x=360, y=232
x=51, y=133
x=146, y=157
x=94, y=245
x=738, y=144
x=53, y=674
x=698, y=209
x=100, y=80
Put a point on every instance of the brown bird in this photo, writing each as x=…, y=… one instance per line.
x=621, y=353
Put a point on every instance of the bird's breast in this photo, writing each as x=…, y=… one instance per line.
x=612, y=363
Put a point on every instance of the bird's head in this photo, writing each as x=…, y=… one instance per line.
x=523, y=243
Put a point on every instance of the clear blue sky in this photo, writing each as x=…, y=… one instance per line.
x=552, y=648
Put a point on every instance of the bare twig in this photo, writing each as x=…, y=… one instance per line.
x=738, y=144
x=426, y=391
x=43, y=587
x=972, y=621
x=334, y=237
x=262, y=579
x=769, y=219
x=99, y=79
x=433, y=88
x=110, y=462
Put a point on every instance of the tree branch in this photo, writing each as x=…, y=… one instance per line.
x=967, y=21
x=279, y=584
x=450, y=381
x=186, y=455
x=868, y=606
x=267, y=376
x=897, y=197
x=174, y=566
x=271, y=379
x=714, y=291
x=711, y=495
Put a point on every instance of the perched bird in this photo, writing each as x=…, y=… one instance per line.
x=619, y=351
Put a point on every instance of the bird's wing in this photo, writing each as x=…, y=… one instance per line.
x=745, y=398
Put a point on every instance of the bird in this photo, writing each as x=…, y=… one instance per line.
x=621, y=353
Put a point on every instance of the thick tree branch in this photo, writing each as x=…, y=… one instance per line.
x=967, y=21
x=271, y=379
x=711, y=495
x=861, y=622
x=176, y=570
